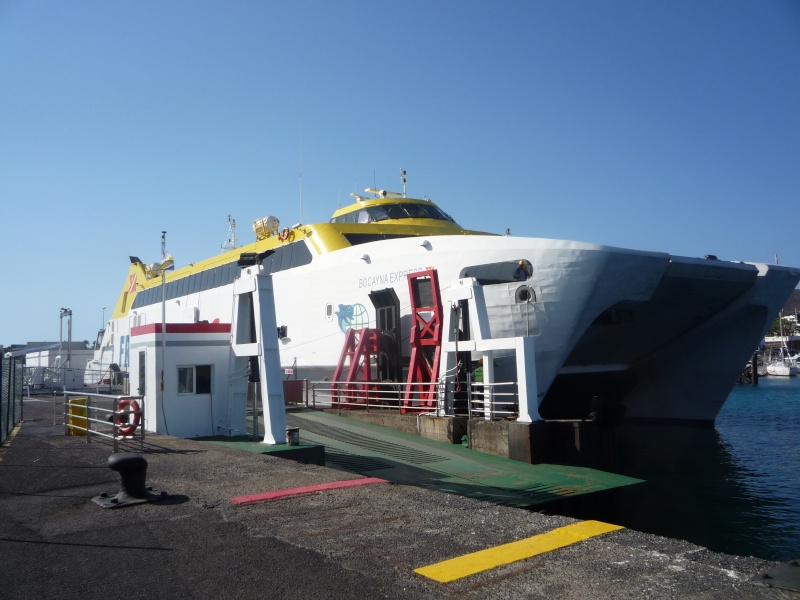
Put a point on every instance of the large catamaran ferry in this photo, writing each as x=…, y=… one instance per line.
x=663, y=336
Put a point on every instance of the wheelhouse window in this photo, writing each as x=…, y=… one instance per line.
x=194, y=380
x=402, y=210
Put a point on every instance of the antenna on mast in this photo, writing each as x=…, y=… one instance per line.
x=301, y=177
x=403, y=179
x=230, y=241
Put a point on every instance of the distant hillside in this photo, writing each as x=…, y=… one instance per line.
x=792, y=304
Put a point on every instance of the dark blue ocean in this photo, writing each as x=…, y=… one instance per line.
x=734, y=488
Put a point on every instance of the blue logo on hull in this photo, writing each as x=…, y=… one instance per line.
x=352, y=316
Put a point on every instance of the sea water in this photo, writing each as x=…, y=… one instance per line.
x=734, y=488
x=759, y=427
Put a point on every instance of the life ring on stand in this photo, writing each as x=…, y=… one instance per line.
x=129, y=427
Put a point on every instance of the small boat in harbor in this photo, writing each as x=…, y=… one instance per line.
x=780, y=359
x=782, y=363
x=782, y=369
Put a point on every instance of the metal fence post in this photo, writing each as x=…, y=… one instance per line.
x=2, y=403
x=9, y=394
x=88, y=418
x=115, y=424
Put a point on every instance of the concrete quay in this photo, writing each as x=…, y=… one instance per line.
x=365, y=540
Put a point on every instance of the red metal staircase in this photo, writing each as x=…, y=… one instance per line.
x=426, y=341
x=357, y=368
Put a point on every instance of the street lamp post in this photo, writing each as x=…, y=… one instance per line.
x=65, y=312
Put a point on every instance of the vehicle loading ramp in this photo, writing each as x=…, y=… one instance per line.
x=407, y=459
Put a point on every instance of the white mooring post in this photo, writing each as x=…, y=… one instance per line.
x=254, y=304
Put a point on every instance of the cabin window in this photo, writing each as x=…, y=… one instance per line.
x=365, y=238
x=194, y=284
x=194, y=380
x=378, y=213
x=286, y=257
x=205, y=281
x=402, y=210
x=231, y=273
x=416, y=211
x=395, y=211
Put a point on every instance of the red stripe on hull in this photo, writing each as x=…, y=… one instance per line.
x=182, y=328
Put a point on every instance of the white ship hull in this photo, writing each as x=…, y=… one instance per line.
x=664, y=335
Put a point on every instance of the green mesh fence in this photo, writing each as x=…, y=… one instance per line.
x=11, y=369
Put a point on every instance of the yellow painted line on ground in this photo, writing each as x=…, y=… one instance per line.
x=5, y=445
x=483, y=560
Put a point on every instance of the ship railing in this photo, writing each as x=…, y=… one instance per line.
x=367, y=395
x=476, y=400
x=493, y=401
x=112, y=417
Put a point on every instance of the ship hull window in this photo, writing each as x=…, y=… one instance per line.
x=286, y=257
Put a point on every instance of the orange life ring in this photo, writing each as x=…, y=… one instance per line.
x=286, y=234
x=129, y=428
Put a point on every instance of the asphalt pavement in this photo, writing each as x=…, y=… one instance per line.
x=362, y=541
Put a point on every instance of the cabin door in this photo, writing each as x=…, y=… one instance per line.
x=387, y=319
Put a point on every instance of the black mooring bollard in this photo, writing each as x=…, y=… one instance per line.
x=132, y=469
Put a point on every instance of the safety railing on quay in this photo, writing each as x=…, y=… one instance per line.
x=104, y=415
x=476, y=400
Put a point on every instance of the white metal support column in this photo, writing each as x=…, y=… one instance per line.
x=527, y=387
x=254, y=304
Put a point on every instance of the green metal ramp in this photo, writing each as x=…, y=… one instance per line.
x=407, y=459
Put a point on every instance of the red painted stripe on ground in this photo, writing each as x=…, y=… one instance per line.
x=308, y=489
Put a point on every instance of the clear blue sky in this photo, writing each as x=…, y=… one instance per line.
x=659, y=125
